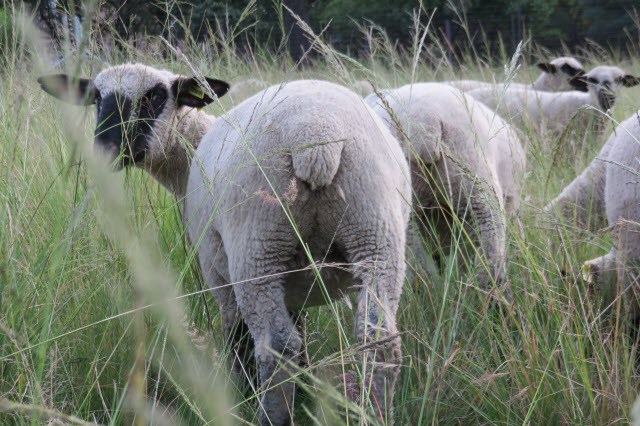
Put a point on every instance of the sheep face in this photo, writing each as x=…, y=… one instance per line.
x=604, y=83
x=558, y=72
x=135, y=107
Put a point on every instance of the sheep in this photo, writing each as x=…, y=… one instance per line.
x=598, y=88
x=554, y=78
x=362, y=88
x=473, y=162
x=608, y=191
x=243, y=89
x=306, y=152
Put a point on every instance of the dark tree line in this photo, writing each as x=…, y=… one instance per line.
x=550, y=23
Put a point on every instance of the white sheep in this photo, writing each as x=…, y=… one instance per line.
x=554, y=78
x=463, y=157
x=608, y=193
x=554, y=110
x=301, y=169
x=244, y=89
x=362, y=87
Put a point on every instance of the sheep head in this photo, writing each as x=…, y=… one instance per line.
x=604, y=82
x=556, y=74
x=136, y=106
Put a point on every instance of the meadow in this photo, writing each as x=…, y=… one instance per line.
x=104, y=317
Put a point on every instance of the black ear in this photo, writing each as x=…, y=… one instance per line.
x=187, y=91
x=76, y=91
x=629, y=81
x=550, y=68
x=571, y=71
x=579, y=82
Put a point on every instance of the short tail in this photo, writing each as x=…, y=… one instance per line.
x=317, y=164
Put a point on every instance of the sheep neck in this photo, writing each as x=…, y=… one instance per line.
x=180, y=140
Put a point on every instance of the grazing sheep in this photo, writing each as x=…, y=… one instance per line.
x=598, y=88
x=362, y=88
x=554, y=78
x=461, y=155
x=307, y=152
x=609, y=190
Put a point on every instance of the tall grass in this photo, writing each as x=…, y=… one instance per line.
x=92, y=327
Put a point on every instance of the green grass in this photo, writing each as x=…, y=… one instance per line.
x=83, y=253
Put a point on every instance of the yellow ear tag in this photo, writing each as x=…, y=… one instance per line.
x=196, y=91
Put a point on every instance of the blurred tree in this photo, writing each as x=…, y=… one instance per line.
x=550, y=22
x=607, y=21
x=297, y=41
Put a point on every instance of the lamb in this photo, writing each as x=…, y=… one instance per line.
x=598, y=88
x=307, y=152
x=462, y=156
x=608, y=190
x=554, y=78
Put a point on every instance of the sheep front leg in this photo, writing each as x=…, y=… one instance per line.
x=276, y=343
x=600, y=274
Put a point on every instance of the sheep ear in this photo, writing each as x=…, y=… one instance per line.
x=187, y=91
x=629, y=80
x=546, y=67
x=571, y=71
x=579, y=82
x=76, y=91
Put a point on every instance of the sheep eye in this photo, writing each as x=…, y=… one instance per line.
x=156, y=97
x=592, y=80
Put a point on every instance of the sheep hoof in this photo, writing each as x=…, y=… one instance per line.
x=587, y=274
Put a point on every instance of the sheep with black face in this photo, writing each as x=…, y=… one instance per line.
x=554, y=110
x=554, y=78
x=305, y=152
x=140, y=114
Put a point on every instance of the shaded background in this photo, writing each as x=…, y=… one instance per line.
x=551, y=24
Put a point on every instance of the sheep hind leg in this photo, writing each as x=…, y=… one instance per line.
x=380, y=276
x=489, y=227
x=276, y=340
x=237, y=338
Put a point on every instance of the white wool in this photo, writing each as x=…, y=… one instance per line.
x=546, y=81
x=607, y=194
x=554, y=110
x=471, y=153
x=362, y=88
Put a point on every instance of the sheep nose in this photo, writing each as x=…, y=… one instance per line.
x=107, y=151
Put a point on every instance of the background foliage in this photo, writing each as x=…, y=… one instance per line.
x=549, y=23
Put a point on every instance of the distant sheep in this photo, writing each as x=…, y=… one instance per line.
x=362, y=88
x=608, y=192
x=471, y=157
x=308, y=152
x=244, y=89
x=554, y=78
x=554, y=110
